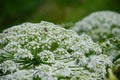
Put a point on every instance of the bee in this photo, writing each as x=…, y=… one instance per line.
x=46, y=29
x=5, y=32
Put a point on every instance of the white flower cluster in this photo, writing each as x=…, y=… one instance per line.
x=46, y=56
x=23, y=53
x=19, y=75
x=8, y=65
x=48, y=52
x=104, y=28
x=99, y=25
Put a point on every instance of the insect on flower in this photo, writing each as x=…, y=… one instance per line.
x=6, y=32
x=46, y=29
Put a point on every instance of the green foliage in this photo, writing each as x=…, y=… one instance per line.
x=14, y=12
x=57, y=11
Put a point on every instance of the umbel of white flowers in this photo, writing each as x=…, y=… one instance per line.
x=104, y=28
x=48, y=52
x=99, y=25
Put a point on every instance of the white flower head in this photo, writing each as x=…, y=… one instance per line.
x=116, y=32
x=61, y=53
x=60, y=69
x=19, y=75
x=23, y=53
x=8, y=65
x=43, y=71
x=46, y=56
x=81, y=59
x=99, y=25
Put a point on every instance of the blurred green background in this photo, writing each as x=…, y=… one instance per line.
x=14, y=12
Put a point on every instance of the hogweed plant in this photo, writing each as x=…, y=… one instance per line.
x=104, y=28
x=45, y=51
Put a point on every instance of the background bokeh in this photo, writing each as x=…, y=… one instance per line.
x=14, y=12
